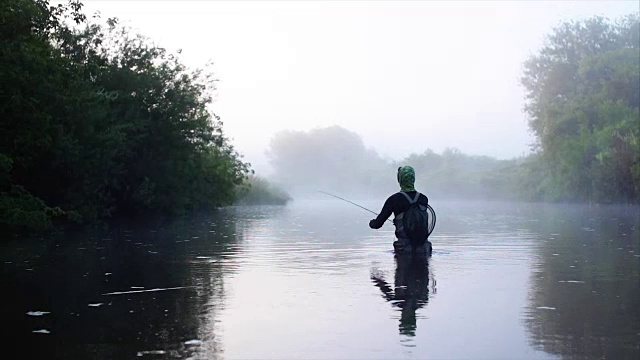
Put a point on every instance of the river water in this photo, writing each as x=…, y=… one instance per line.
x=312, y=281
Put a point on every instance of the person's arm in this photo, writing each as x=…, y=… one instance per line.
x=387, y=210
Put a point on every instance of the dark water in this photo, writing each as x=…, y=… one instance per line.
x=311, y=281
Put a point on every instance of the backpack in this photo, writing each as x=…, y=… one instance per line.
x=415, y=221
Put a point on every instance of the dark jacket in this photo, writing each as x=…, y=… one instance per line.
x=396, y=204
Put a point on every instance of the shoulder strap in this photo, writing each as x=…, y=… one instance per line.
x=411, y=201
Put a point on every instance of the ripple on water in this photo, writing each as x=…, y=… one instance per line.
x=37, y=313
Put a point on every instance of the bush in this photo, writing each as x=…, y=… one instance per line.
x=258, y=191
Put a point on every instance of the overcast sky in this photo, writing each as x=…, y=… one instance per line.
x=406, y=76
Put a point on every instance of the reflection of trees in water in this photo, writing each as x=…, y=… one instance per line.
x=585, y=291
x=78, y=271
x=228, y=231
x=222, y=246
x=410, y=290
x=209, y=258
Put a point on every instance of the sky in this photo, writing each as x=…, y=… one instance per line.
x=406, y=76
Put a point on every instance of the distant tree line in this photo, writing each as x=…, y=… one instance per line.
x=583, y=95
x=97, y=122
x=335, y=159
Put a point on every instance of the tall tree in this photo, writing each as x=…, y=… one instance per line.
x=330, y=158
x=96, y=122
x=583, y=95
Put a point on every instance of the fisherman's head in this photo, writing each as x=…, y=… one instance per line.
x=406, y=178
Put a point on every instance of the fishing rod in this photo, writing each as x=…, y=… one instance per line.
x=351, y=202
x=431, y=226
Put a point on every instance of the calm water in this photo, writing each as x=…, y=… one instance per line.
x=312, y=281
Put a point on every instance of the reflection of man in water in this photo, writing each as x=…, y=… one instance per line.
x=411, y=290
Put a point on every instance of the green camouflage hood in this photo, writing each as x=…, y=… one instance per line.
x=406, y=178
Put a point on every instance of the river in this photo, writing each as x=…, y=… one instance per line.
x=312, y=281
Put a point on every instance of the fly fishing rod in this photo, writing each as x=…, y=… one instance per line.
x=351, y=202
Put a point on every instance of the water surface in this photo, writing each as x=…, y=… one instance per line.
x=312, y=281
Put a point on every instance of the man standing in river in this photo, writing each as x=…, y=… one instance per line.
x=398, y=204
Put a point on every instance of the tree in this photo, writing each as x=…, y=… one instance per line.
x=331, y=158
x=115, y=124
x=583, y=95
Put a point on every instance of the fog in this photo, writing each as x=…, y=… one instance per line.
x=335, y=159
x=405, y=76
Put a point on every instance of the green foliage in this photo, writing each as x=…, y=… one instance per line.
x=101, y=123
x=258, y=191
x=583, y=100
x=19, y=209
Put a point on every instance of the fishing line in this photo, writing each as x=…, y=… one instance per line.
x=351, y=202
